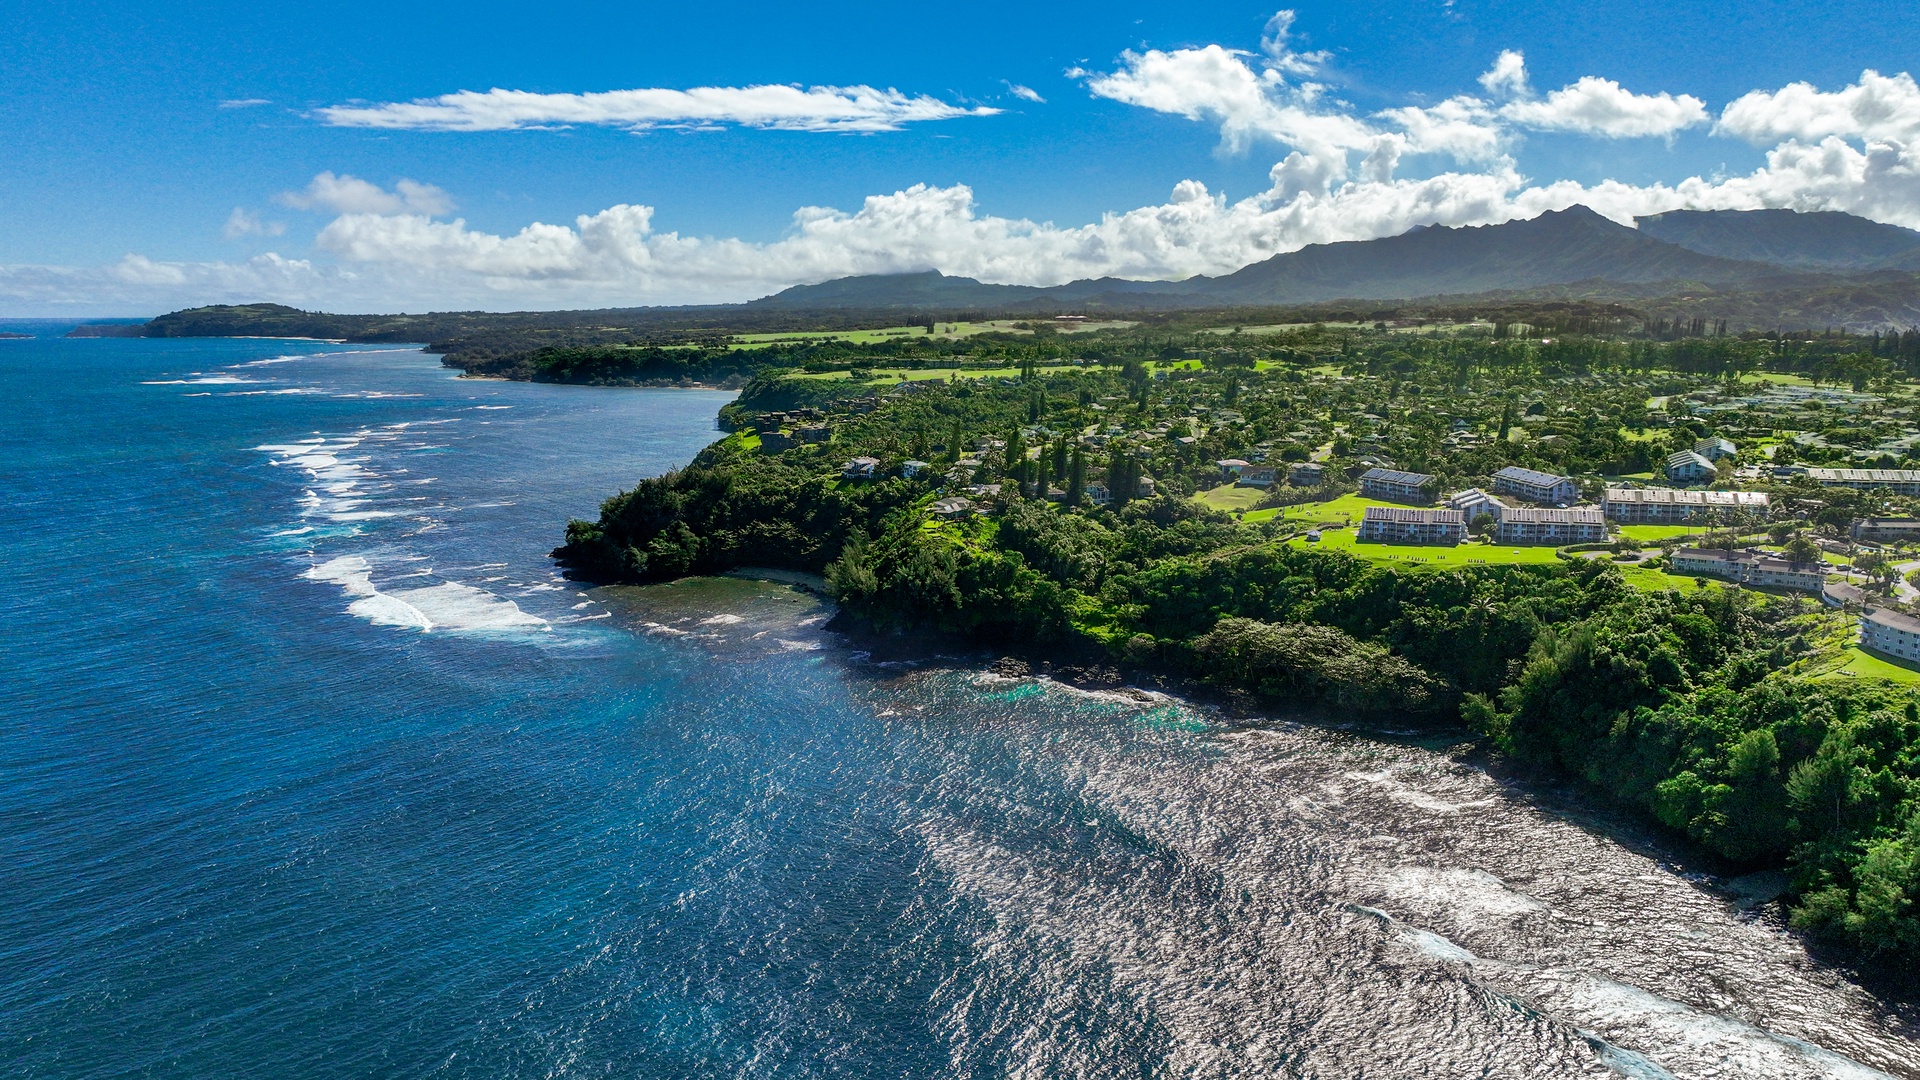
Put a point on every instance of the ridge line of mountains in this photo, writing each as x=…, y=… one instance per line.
x=1754, y=269
x=1576, y=251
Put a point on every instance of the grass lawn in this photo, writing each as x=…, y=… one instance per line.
x=885, y=375
x=950, y=330
x=1409, y=555
x=1344, y=508
x=1654, y=533
x=1648, y=579
x=1861, y=664
x=1230, y=498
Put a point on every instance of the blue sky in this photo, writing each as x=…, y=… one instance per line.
x=161, y=155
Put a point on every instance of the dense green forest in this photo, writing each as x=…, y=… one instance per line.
x=1685, y=705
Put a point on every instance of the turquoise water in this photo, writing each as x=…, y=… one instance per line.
x=313, y=766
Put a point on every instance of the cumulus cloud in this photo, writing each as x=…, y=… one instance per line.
x=1597, y=106
x=1338, y=178
x=1279, y=101
x=1878, y=107
x=1508, y=75
x=244, y=222
x=351, y=195
x=783, y=108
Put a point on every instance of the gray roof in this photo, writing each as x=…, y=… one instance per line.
x=1529, y=476
x=1527, y=515
x=1407, y=514
x=1892, y=620
x=1685, y=497
x=1395, y=476
x=1867, y=476
x=1688, y=457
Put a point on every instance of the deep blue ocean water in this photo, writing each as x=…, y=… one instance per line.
x=312, y=766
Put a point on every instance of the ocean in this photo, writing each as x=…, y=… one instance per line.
x=314, y=766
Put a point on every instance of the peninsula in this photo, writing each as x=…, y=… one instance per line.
x=1661, y=559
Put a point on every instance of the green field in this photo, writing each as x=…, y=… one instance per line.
x=947, y=330
x=1647, y=534
x=1347, y=540
x=1648, y=579
x=1229, y=498
x=1861, y=664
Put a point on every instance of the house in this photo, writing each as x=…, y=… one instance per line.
x=1404, y=525
x=1231, y=466
x=1306, y=474
x=952, y=508
x=860, y=468
x=1526, y=525
x=1715, y=448
x=1891, y=633
x=1887, y=530
x=813, y=433
x=1897, y=481
x=1747, y=568
x=1473, y=502
x=1688, y=467
x=1666, y=506
x=911, y=469
x=1147, y=488
x=775, y=442
x=1393, y=485
x=1535, y=486
x=1257, y=476
x=1098, y=495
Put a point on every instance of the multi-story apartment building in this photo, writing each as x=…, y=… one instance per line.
x=1898, y=481
x=1525, y=525
x=1666, y=506
x=1393, y=485
x=1748, y=568
x=1405, y=525
x=1535, y=486
x=1892, y=633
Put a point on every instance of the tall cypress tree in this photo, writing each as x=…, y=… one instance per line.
x=1077, y=477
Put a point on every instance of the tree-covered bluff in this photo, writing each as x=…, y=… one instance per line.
x=1690, y=706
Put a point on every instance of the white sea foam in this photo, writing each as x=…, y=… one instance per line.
x=201, y=380
x=1611, y=1016
x=446, y=606
x=1472, y=895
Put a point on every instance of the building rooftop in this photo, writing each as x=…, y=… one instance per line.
x=1687, y=497
x=1529, y=476
x=1407, y=514
x=1395, y=476
x=1869, y=476
x=1892, y=620
x=1526, y=515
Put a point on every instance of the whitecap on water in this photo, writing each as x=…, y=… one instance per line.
x=447, y=606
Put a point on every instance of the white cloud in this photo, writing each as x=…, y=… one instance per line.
x=345, y=194
x=1508, y=75
x=1025, y=93
x=244, y=103
x=1337, y=179
x=244, y=222
x=1878, y=107
x=1596, y=106
x=784, y=108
